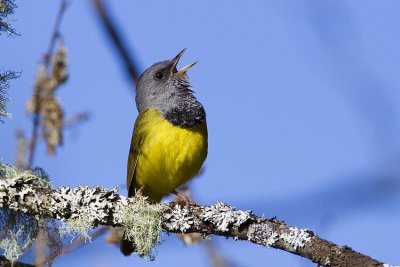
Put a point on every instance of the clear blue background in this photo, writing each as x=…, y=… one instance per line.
x=302, y=101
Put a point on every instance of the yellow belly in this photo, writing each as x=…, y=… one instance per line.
x=169, y=156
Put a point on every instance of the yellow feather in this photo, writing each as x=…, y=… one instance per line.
x=163, y=156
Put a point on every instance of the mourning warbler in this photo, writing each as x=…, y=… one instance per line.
x=170, y=140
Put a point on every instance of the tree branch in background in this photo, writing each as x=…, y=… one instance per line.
x=73, y=245
x=128, y=61
x=21, y=149
x=90, y=207
x=76, y=119
x=216, y=259
x=55, y=35
x=45, y=86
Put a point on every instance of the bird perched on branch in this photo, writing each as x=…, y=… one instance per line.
x=169, y=141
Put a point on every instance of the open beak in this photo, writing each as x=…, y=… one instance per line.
x=182, y=71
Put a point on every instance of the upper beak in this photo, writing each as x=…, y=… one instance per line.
x=175, y=61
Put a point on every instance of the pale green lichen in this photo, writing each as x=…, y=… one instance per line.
x=143, y=225
x=12, y=245
x=77, y=228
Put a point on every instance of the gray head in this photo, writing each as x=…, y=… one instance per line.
x=166, y=89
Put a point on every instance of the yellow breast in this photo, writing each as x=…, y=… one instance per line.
x=169, y=155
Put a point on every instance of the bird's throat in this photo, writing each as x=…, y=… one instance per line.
x=186, y=115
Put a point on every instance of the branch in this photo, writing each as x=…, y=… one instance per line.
x=110, y=28
x=103, y=206
x=56, y=33
x=73, y=245
x=36, y=98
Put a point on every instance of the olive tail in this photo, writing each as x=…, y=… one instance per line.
x=126, y=246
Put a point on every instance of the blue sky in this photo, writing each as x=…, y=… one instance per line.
x=302, y=102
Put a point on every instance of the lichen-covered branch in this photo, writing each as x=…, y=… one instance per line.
x=95, y=206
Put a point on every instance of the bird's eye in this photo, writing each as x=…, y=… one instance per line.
x=159, y=75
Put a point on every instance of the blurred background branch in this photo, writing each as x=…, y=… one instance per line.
x=43, y=104
x=77, y=243
x=129, y=62
x=76, y=119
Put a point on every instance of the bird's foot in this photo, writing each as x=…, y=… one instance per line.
x=182, y=199
x=139, y=193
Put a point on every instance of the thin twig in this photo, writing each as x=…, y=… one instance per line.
x=21, y=149
x=73, y=245
x=47, y=57
x=76, y=119
x=217, y=260
x=35, y=133
x=115, y=36
x=56, y=33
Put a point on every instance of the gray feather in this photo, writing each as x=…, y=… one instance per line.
x=171, y=95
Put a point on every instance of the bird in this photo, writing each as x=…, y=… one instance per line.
x=170, y=138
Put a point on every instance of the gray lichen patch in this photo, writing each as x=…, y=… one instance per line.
x=296, y=237
x=224, y=216
x=179, y=219
x=143, y=227
x=95, y=203
x=262, y=234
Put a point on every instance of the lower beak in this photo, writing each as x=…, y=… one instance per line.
x=182, y=71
